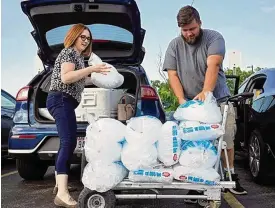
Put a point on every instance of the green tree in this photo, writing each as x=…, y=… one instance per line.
x=166, y=94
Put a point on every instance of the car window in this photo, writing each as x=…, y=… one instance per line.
x=257, y=87
x=99, y=32
x=242, y=87
x=257, y=104
x=7, y=102
x=272, y=104
x=267, y=103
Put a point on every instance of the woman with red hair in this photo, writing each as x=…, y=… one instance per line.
x=67, y=85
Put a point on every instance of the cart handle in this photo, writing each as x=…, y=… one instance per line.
x=240, y=97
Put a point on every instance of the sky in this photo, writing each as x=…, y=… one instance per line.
x=247, y=26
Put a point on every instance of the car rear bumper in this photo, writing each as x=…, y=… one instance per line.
x=16, y=148
x=49, y=158
x=46, y=149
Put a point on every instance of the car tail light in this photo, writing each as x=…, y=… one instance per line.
x=148, y=92
x=26, y=136
x=23, y=93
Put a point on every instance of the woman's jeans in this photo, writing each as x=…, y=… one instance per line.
x=61, y=106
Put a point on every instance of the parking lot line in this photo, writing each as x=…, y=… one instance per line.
x=232, y=201
x=8, y=174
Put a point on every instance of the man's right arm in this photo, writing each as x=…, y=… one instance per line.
x=176, y=85
x=170, y=65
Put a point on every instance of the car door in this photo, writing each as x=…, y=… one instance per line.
x=7, y=112
x=249, y=108
x=242, y=88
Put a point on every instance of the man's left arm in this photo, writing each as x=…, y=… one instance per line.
x=213, y=66
x=215, y=56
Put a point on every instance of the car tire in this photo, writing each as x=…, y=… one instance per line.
x=257, y=157
x=31, y=169
x=92, y=199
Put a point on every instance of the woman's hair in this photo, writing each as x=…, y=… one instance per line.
x=74, y=32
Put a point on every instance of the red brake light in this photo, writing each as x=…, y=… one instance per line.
x=23, y=93
x=148, y=92
x=31, y=136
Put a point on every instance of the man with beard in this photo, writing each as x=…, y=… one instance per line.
x=194, y=65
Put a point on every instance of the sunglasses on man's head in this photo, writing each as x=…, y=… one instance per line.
x=84, y=37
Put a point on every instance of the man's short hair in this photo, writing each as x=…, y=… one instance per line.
x=186, y=15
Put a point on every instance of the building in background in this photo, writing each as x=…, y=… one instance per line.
x=235, y=60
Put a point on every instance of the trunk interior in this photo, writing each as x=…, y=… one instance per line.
x=95, y=101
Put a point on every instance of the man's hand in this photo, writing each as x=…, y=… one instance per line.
x=182, y=101
x=201, y=96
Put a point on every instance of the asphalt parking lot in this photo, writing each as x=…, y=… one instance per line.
x=18, y=193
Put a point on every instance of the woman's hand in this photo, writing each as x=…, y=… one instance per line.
x=100, y=68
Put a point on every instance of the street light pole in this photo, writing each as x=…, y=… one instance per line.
x=252, y=68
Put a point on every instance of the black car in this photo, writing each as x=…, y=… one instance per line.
x=256, y=124
x=7, y=112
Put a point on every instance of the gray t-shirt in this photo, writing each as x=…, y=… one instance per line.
x=190, y=62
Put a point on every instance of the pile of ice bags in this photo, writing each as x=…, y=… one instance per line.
x=146, y=150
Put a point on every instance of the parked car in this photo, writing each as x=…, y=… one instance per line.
x=118, y=39
x=7, y=112
x=256, y=124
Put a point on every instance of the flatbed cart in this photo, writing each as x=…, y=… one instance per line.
x=210, y=197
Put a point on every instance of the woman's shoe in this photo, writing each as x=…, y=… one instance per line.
x=71, y=203
x=63, y=198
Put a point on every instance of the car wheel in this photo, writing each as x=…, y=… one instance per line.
x=31, y=169
x=257, y=163
x=93, y=199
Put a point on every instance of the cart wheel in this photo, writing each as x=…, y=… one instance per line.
x=203, y=202
x=213, y=204
x=93, y=199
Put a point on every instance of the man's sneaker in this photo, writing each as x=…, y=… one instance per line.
x=192, y=201
x=239, y=190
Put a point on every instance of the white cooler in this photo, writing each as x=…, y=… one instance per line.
x=98, y=102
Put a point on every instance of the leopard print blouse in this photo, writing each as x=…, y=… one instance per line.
x=74, y=89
